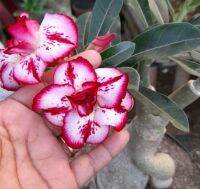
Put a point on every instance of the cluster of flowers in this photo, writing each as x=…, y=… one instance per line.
x=85, y=102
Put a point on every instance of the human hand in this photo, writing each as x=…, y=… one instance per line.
x=32, y=157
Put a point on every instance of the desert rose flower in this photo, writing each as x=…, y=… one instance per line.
x=34, y=46
x=85, y=101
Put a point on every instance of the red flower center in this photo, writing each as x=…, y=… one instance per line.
x=86, y=98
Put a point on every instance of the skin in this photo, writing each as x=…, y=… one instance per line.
x=30, y=154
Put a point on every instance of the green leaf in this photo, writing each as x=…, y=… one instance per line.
x=103, y=15
x=189, y=66
x=134, y=77
x=136, y=7
x=196, y=21
x=155, y=10
x=83, y=27
x=185, y=8
x=116, y=28
x=34, y=7
x=163, y=106
x=170, y=7
x=144, y=4
x=195, y=55
x=117, y=54
x=166, y=40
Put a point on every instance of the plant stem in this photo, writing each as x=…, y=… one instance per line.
x=146, y=136
x=143, y=70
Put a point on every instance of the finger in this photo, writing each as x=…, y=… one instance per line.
x=87, y=165
x=26, y=94
x=91, y=55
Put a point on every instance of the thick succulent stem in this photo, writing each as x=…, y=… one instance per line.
x=147, y=133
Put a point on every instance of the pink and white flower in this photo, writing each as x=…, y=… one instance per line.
x=34, y=46
x=85, y=101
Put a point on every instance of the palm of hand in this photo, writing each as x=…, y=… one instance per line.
x=32, y=157
x=29, y=151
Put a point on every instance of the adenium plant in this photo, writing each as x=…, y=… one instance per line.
x=85, y=102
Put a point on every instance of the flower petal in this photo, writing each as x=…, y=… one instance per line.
x=7, y=63
x=8, y=58
x=24, y=29
x=53, y=97
x=58, y=37
x=19, y=47
x=7, y=79
x=84, y=109
x=116, y=118
x=111, y=92
x=76, y=129
x=127, y=102
x=53, y=118
x=98, y=134
x=85, y=99
x=106, y=74
x=75, y=73
x=101, y=42
x=29, y=70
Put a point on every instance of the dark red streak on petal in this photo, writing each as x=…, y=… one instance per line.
x=110, y=81
x=70, y=73
x=32, y=69
x=58, y=37
x=86, y=130
x=55, y=111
